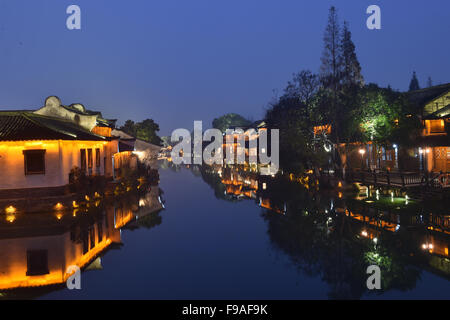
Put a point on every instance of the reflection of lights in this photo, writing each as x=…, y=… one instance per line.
x=10, y=210
x=10, y=217
x=327, y=147
x=340, y=194
x=59, y=216
x=378, y=194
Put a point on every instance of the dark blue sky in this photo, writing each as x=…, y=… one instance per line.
x=179, y=61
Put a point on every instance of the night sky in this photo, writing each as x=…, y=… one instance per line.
x=180, y=61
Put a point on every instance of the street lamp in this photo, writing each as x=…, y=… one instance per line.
x=362, y=151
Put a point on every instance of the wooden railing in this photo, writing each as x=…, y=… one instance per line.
x=395, y=179
x=442, y=180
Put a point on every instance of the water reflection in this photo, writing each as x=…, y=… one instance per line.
x=37, y=248
x=336, y=238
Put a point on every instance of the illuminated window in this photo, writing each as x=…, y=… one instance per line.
x=37, y=262
x=97, y=157
x=83, y=159
x=90, y=161
x=34, y=161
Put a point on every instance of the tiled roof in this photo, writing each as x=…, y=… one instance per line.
x=440, y=114
x=423, y=96
x=19, y=125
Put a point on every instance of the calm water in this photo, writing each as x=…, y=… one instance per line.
x=215, y=240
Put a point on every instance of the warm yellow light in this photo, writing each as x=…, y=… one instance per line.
x=10, y=218
x=10, y=210
x=59, y=216
x=74, y=204
x=86, y=197
x=340, y=184
x=59, y=206
x=364, y=233
x=362, y=151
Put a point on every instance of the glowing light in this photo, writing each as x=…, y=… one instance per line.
x=59, y=216
x=340, y=184
x=364, y=233
x=59, y=206
x=10, y=210
x=74, y=204
x=375, y=240
x=264, y=186
x=362, y=151
x=11, y=218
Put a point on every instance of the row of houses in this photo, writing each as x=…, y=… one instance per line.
x=430, y=152
x=39, y=148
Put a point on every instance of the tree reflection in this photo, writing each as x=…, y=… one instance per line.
x=333, y=238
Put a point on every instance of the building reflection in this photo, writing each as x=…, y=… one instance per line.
x=37, y=248
x=336, y=238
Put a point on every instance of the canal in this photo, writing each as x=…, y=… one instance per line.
x=224, y=234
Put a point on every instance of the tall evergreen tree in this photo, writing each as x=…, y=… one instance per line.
x=414, y=84
x=331, y=68
x=351, y=69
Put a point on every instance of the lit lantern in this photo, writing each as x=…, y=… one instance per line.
x=59, y=206
x=10, y=210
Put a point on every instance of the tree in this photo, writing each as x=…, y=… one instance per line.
x=129, y=127
x=298, y=148
x=304, y=86
x=331, y=68
x=414, y=84
x=145, y=130
x=230, y=121
x=351, y=69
